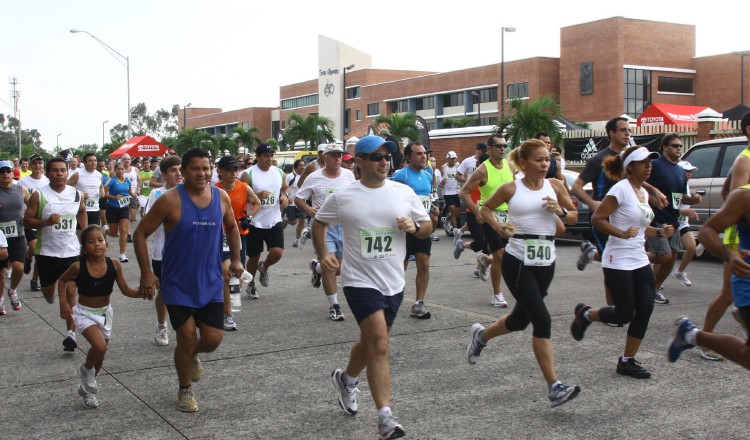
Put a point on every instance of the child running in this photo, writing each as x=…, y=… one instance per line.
x=94, y=276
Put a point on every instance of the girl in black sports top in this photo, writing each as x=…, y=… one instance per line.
x=93, y=276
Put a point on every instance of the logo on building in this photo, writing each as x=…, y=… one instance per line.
x=589, y=150
x=328, y=89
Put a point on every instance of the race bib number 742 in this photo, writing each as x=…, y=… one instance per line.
x=378, y=243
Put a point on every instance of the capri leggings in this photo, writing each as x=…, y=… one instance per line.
x=633, y=294
x=477, y=234
x=528, y=285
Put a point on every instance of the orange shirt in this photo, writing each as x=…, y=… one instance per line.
x=238, y=197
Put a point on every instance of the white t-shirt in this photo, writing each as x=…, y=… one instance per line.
x=467, y=167
x=215, y=177
x=158, y=243
x=89, y=184
x=33, y=184
x=451, y=184
x=292, y=180
x=319, y=187
x=133, y=176
x=374, y=248
x=630, y=253
x=3, y=240
x=270, y=181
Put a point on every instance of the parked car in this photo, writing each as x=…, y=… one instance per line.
x=714, y=160
x=583, y=226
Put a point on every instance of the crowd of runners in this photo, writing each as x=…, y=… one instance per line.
x=367, y=220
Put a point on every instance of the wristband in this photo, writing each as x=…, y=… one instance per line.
x=416, y=227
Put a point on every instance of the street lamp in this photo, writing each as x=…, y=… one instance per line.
x=58, y=140
x=479, y=106
x=343, y=100
x=103, y=132
x=184, y=118
x=119, y=60
x=502, y=68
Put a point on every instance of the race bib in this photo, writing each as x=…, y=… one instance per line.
x=676, y=200
x=268, y=202
x=647, y=214
x=538, y=252
x=426, y=202
x=378, y=243
x=683, y=219
x=67, y=223
x=224, y=245
x=90, y=203
x=146, y=184
x=10, y=229
x=501, y=216
x=123, y=201
x=450, y=175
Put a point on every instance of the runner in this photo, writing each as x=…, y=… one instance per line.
x=33, y=182
x=119, y=193
x=132, y=173
x=192, y=215
x=89, y=182
x=535, y=207
x=450, y=193
x=13, y=199
x=102, y=168
x=686, y=236
x=473, y=225
x=372, y=272
x=54, y=211
x=294, y=215
x=94, y=277
x=145, y=175
x=318, y=187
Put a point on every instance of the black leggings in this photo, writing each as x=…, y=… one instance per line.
x=633, y=294
x=528, y=285
x=477, y=233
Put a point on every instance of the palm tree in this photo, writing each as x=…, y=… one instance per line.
x=313, y=129
x=527, y=118
x=246, y=137
x=225, y=143
x=462, y=122
x=401, y=125
x=192, y=137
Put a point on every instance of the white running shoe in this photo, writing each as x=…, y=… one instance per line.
x=499, y=301
x=162, y=336
x=88, y=379
x=682, y=276
x=347, y=395
x=123, y=258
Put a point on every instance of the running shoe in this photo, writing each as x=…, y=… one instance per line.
x=162, y=336
x=186, y=400
x=562, y=393
x=580, y=323
x=457, y=234
x=682, y=277
x=458, y=249
x=335, y=313
x=14, y=300
x=484, y=272
x=583, y=257
x=476, y=273
x=2, y=306
x=419, y=311
x=412, y=258
x=316, y=277
x=612, y=324
x=679, y=342
x=475, y=347
x=229, y=324
x=499, y=301
x=89, y=400
x=388, y=427
x=27, y=266
x=252, y=293
x=88, y=379
x=434, y=237
x=35, y=287
x=263, y=271
x=347, y=395
x=69, y=343
x=197, y=368
x=710, y=355
x=295, y=242
x=123, y=258
x=105, y=229
x=659, y=297
x=632, y=368
x=304, y=236
x=130, y=238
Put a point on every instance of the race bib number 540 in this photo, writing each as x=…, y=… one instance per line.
x=538, y=252
x=378, y=243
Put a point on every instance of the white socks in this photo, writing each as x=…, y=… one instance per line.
x=333, y=299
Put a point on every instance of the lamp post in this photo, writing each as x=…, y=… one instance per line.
x=103, y=132
x=479, y=106
x=184, y=117
x=502, y=68
x=343, y=101
x=58, y=140
x=119, y=60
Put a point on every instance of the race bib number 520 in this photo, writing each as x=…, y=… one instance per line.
x=378, y=243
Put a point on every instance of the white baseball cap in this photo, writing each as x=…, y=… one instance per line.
x=451, y=154
x=638, y=155
x=687, y=166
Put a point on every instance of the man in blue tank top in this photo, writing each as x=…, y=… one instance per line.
x=191, y=281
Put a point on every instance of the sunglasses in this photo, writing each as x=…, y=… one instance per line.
x=500, y=145
x=676, y=145
x=377, y=157
x=5, y=170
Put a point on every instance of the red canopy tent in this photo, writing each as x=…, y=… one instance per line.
x=669, y=114
x=140, y=146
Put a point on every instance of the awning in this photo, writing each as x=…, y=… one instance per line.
x=669, y=114
x=140, y=146
x=736, y=113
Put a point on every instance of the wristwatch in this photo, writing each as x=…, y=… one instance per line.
x=417, y=227
x=564, y=213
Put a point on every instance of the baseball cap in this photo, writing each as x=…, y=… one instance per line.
x=370, y=143
x=322, y=147
x=227, y=163
x=333, y=148
x=6, y=164
x=451, y=154
x=638, y=155
x=346, y=157
x=481, y=146
x=217, y=160
x=154, y=160
x=170, y=152
x=687, y=166
x=34, y=157
x=263, y=148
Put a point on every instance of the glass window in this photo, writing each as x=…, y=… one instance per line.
x=730, y=154
x=637, y=89
x=373, y=109
x=704, y=158
x=399, y=106
x=453, y=99
x=518, y=90
x=301, y=101
x=359, y=115
x=352, y=92
x=425, y=103
x=675, y=85
x=488, y=95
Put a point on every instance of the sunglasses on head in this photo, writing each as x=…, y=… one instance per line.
x=377, y=157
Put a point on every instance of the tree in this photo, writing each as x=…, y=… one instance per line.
x=401, y=125
x=313, y=130
x=527, y=118
x=192, y=137
x=160, y=124
x=246, y=137
x=225, y=143
x=459, y=123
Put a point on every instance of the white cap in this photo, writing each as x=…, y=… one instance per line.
x=638, y=155
x=451, y=154
x=687, y=166
x=332, y=148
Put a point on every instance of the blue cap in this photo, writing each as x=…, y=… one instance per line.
x=6, y=164
x=368, y=144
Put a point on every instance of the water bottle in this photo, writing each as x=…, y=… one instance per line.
x=234, y=293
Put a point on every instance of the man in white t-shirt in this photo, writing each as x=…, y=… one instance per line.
x=465, y=169
x=372, y=273
x=89, y=182
x=33, y=182
x=450, y=192
x=318, y=186
x=134, y=175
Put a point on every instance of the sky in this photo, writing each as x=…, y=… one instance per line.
x=234, y=54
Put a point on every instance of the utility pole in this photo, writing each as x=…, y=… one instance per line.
x=15, y=94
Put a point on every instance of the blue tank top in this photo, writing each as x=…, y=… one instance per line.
x=191, y=265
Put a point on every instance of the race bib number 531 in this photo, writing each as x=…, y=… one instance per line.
x=378, y=243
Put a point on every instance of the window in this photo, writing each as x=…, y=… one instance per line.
x=426, y=103
x=359, y=115
x=704, y=158
x=488, y=95
x=637, y=91
x=430, y=126
x=675, y=85
x=518, y=90
x=730, y=154
x=373, y=109
x=399, y=106
x=353, y=93
x=302, y=101
x=453, y=99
